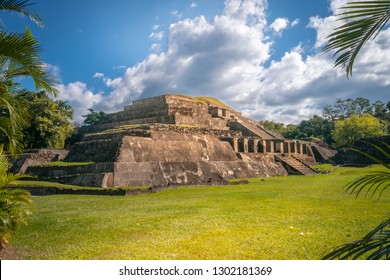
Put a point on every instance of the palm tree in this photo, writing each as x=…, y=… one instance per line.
x=19, y=53
x=15, y=204
x=376, y=244
x=365, y=19
x=19, y=57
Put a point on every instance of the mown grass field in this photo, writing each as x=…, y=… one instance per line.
x=296, y=217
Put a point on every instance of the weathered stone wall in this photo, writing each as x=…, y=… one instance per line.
x=353, y=158
x=99, y=174
x=94, y=151
x=264, y=165
x=175, y=147
x=168, y=158
x=193, y=173
x=323, y=154
x=181, y=109
x=164, y=158
x=35, y=157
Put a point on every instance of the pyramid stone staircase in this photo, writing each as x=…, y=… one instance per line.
x=294, y=165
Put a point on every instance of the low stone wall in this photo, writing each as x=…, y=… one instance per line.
x=41, y=191
x=61, y=171
x=353, y=158
x=35, y=157
x=105, y=150
x=323, y=154
x=193, y=173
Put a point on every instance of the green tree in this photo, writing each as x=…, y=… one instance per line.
x=15, y=204
x=93, y=117
x=343, y=108
x=317, y=127
x=50, y=120
x=292, y=132
x=382, y=112
x=354, y=128
x=365, y=19
x=19, y=57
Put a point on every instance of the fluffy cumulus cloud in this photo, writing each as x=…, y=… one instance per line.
x=279, y=24
x=79, y=97
x=230, y=57
x=221, y=58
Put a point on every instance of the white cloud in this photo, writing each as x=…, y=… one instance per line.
x=194, y=5
x=279, y=24
x=79, y=97
x=218, y=57
x=98, y=75
x=119, y=67
x=53, y=69
x=155, y=48
x=156, y=26
x=226, y=58
x=177, y=14
x=335, y=5
x=157, y=36
x=295, y=22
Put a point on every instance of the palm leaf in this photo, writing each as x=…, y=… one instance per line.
x=374, y=246
x=20, y=6
x=19, y=55
x=365, y=20
x=385, y=153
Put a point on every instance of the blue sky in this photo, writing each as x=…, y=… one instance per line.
x=261, y=57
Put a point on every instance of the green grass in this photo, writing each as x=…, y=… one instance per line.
x=211, y=100
x=26, y=183
x=22, y=183
x=324, y=168
x=65, y=163
x=296, y=217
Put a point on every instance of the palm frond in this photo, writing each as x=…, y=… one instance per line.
x=20, y=57
x=376, y=182
x=15, y=203
x=13, y=123
x=365, y=20
x=374, y=246
x=382, y=151
x=21, y=6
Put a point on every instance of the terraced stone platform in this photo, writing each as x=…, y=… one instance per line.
x=175, y=140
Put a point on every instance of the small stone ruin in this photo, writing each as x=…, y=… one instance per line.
x=178, y=140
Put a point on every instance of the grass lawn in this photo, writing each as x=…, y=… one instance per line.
x=296, y=217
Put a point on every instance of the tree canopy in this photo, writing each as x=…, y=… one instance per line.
x=93, y=117
x=19, y=57
x=346, y=113
x=50, y=120
x=355, y=128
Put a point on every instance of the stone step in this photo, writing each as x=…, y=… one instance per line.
x=295, y=164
